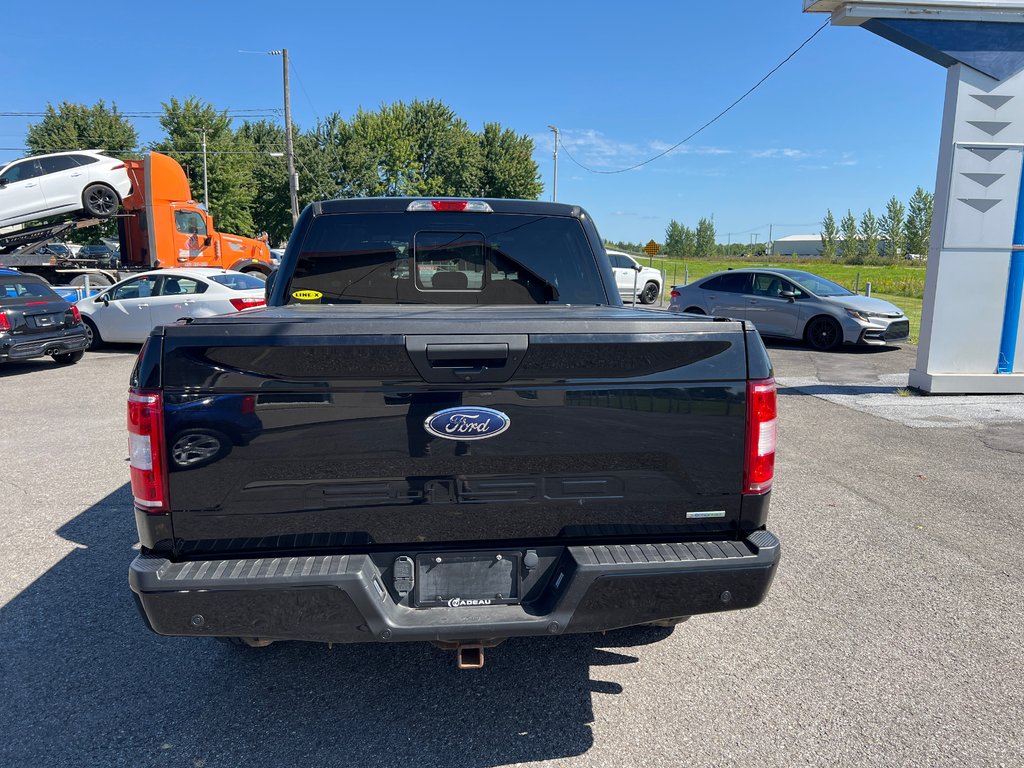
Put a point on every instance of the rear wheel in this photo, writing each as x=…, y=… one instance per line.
x=650, y=293
x=824, y=334
x=92, y=335
x=100, y=201
x=68, y=358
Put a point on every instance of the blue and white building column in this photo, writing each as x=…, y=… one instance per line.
x=972, y=339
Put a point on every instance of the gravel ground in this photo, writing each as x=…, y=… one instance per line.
x=893, y=633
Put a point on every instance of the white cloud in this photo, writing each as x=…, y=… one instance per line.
x=785, y=152
x=595, y=149
x=847, y=159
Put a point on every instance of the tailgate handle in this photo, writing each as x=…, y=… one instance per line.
x=451, y=359
x=467, y=355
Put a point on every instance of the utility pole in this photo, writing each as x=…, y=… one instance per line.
x=206, y=184
x=771, y=245
x=554, y=187
x=289, y=150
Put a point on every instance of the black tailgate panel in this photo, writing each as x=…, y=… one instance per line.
x=609, y=434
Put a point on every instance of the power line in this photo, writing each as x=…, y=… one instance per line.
x=302, y=85
x=710, y=122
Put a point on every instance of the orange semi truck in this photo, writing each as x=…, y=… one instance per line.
x=160, y=225
x=166, y=228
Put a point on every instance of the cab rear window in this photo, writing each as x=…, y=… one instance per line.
x=445, y=258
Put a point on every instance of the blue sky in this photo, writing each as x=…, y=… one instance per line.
x=849, y=122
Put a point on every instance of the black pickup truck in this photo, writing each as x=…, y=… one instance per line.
x=446, y=427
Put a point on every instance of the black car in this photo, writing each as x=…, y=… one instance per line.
x=103, y=254
x=35, y=321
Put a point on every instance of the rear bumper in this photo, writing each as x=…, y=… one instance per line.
x=21, y=348
x=343, y=598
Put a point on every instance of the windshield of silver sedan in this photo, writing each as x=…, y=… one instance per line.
x=819, y=286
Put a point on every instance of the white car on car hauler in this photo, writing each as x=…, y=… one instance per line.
x=42, y=186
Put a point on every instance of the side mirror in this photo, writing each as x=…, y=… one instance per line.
x=3, y=183
x=268, y=286
x=104, y=298
x=206, y=241
x=791, y=295
x=638, y=267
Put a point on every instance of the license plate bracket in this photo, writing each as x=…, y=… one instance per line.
x=467, y=579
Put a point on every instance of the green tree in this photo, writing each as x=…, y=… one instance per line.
x=689, y=242
x=230, y=160
x=507, y=165
x=270, y=208
x=77, y=126
x=919, y=222
x=418, y=149
x=893, y=228
x=849, y=244
x=704, y=238
x=829, y=237
x=674, y=244
x=869, y=236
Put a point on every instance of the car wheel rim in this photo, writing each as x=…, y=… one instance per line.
x=192, y=449
x=102, y=201
x=826, y=334
x=651, y=294
x=88, y=335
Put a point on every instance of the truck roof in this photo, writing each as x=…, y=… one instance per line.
x=400, y=204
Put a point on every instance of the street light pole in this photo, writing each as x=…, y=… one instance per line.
x=289, y=149
x=554, y=187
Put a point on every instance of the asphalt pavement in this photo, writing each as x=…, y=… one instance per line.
x=892, y=635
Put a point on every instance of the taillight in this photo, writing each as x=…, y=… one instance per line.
x=146, y=449
x=458, y=206
x=249, y=303
x=248, y=404
x=76, y=315
x=675, y=294
x=5, y=324
x=118, y=167
x=759, y=462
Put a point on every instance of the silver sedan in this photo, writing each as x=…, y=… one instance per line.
x=792, y=304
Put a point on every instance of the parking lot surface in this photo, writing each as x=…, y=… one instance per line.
x=892, y=636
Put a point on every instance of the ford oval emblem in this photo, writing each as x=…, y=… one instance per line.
x=466, y=423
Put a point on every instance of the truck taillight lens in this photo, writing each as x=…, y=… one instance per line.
x=241, y=304
x=759, y=464
x=146, y=450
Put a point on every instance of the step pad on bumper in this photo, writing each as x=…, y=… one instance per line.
x=342, y=598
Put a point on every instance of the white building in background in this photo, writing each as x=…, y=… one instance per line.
x=801, y=246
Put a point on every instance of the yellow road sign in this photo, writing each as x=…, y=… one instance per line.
x=652, y=248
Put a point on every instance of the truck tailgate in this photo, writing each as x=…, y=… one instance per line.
x=620, y=423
